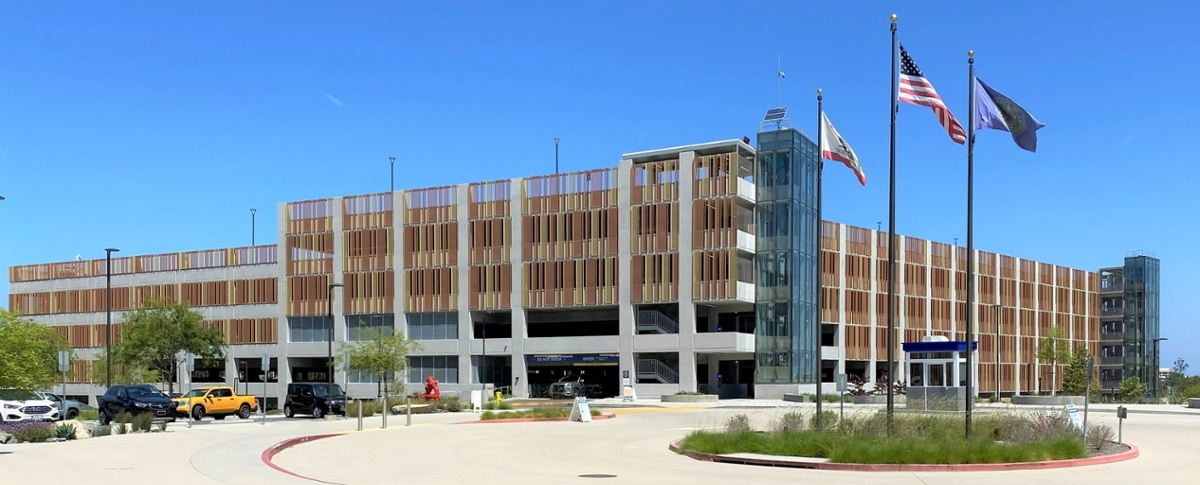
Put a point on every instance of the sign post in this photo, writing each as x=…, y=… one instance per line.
x=266, y=369
x=1087, y=398
x=1122, y=413
x=64, y=364
x=841, y=388
x=189, y=360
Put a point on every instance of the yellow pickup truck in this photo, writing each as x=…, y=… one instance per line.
x=217, y=402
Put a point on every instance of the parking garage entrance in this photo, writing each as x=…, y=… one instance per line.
x=600, y=373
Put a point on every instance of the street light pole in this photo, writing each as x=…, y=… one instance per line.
x=1156, y=364
x=108, y=316
x=329, y=388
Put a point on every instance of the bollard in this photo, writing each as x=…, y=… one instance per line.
x=360, y=406
x=408, y=411
x=386, y=411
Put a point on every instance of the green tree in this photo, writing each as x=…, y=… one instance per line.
x=157, y=337
x=380, y=351
x=1074, y=381
x=1132, y=390
x=1054, y=349
x=28, y=352
x=121, y=373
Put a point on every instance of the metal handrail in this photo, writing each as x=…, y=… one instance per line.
x=651, y=319
x=660, y=369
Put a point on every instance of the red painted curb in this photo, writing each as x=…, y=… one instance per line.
x=532, y=420
x=979, y=467
x=269, y=453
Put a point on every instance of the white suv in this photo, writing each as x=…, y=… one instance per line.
x=24, y=405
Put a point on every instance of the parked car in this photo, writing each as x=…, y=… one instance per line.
x=25, y=405
x=135, y=399
x=570, y=387
x=67, y=408
x=316, y=399
x=217, y=402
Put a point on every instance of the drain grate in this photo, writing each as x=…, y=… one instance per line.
x=597, y=475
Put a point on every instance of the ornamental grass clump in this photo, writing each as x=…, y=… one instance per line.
x=916, y=438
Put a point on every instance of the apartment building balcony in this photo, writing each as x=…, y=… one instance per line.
x=1110, y=384
x=1110, y=286
x=746, y=190
x=1112, y=336
x=1112, y=312
x=745, y=291
x=745, y=241
x=1112, y=361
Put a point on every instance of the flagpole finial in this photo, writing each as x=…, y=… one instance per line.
x=819, y=91
x=971, y=53
x=893, y=18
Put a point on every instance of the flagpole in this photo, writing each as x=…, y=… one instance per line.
x=820, y=236
x=891, y=305
x=970, y=237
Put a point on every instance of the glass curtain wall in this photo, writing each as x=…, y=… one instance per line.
x=1142, y=320
x=785, y=293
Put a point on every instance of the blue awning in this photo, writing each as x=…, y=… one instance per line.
x=951, y=346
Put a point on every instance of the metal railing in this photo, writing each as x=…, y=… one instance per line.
x=1112, y=336
x=1110, y=384
x=1112, y=286
x=656, y=322
x=1112, y=312
x=1112, y=360
x=657, y=369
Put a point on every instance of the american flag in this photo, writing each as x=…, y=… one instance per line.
x=916, y=89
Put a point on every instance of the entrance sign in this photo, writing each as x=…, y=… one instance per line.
x=580, y=411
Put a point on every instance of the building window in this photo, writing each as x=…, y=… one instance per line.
x=308, y=329
x=433, y=326
x=442, y=368
x=359, y=376
x=358, y=327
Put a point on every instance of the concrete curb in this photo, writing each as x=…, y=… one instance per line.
x=269, y=453
x=981, y=467
x=532, y=420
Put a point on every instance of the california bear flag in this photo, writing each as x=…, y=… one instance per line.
x=834, y=147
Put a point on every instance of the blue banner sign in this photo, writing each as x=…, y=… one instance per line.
x=612, y=359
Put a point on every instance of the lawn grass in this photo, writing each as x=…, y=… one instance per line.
x=916, y=439
x=536, y=413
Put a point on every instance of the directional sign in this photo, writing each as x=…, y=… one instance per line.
x=64, y=360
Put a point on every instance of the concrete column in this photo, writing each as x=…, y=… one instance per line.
x=714, y=368
x=687, y=307
x=339, y=294
x=624, y=301
x=283, y=369
x=399, y=282
x=520, y=372
x=466, y=371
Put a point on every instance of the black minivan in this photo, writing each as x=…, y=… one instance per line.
x=135, y=399
x=314, y=398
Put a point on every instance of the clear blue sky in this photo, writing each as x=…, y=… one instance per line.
x=155, y=127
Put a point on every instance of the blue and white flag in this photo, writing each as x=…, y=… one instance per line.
x=998, y=112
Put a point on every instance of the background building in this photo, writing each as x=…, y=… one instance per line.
x=686, y=268
x=1129, y=328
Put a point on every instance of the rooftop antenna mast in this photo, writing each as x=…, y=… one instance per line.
x=779, y=75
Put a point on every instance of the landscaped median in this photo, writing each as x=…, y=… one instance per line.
x=918, y=442
x=535, y=414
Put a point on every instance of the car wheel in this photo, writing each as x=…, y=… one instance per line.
x=218, y=417
x=198, y=412
x=318, y=413
x=72, y=413
x=244, y=412
x=104, y=419
x=287, y=412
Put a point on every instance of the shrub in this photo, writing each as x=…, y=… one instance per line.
x=1132, y=390
x=89, y=415
x=828, y=421
x=858, y=387
x=738, y=424
x=274, y=412
x=28, y=431
x=536, y=413
x=689, y=393
x=120, y=428
x=369, y=408
x=143, y=422
x=493, y=406
x=1098, y=435
x=790, y=422
x=64, y=431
